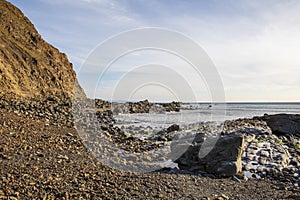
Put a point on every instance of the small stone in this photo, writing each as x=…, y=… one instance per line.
x=295, y=174
x=127, y=135
x=40, y=154
x=63, y=157
x=234, y=178
x=263, y=161
x=172, y=128
x=224, y=196
x=70, y=134
x=256, y=176
x=247, y=167
x=260, y=168
x=255, y=158
x=242, y=176
x=264, y=153
x=5, y=157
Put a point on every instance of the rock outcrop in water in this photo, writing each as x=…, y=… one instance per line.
x=145, y=107
x=171, y=107
x=29, y=66
x=140, y=107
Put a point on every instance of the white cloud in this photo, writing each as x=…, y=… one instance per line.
x=267, y=57
x=254, y=44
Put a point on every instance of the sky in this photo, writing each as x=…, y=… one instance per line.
x=254, y=46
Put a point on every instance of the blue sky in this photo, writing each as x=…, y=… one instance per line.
x=255, y=45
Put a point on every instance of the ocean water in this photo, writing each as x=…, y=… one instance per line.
x=192, y=113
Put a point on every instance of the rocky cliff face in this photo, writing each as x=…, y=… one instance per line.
x=29, y=66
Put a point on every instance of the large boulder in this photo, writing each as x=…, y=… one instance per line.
x=223, y=160
x=283, y=124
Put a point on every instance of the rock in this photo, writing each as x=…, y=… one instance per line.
x=224, y=196
x=127, y=135
x=166, y=134
x=223, y=160
x=172, y=128
x=264, y=153
x=102, y=104
x=283, y=124
x=5, y=157
x=140, y=107
x=171, y=107
x=248, y=127
x=241, y=176
x=205, y=198
x=234, y=178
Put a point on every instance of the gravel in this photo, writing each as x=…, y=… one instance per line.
x=43, y=160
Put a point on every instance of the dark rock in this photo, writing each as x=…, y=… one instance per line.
x=283, y=124
x=172, y=128
x=223, y=160
x=166, y=134
x=171, y=107
x=140, y=107
x=102, y=104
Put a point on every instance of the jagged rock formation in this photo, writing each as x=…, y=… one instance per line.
x=29, y=66
x=140, y=107
x=171, y=107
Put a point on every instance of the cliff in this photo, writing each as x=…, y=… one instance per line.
x=29, y=66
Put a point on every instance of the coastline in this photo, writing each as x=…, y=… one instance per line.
x=49, y=160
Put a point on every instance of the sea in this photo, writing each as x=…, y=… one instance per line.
x=192, y=113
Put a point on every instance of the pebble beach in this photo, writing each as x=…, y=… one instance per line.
x=42, y=156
